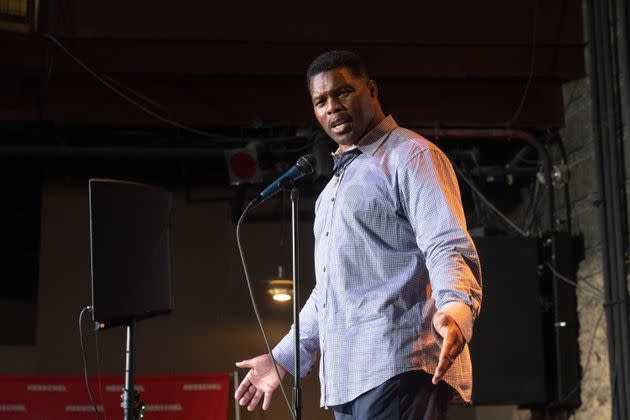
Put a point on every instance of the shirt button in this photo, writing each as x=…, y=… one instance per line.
x=327, y=233
x=324, y=268
x=332, y=199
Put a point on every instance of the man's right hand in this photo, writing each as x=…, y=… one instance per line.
x=260, y=381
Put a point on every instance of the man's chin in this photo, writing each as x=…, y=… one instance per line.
x=345, y=139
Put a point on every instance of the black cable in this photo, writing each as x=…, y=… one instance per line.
x=612, y=214
x=487, y=202
x=593, y=289
x=215, y=138
x=531, y=66
x=567, y=196
x=531, y=217
x=256, y=312
x=122, y=94
x=85, y=367
x=533, y=195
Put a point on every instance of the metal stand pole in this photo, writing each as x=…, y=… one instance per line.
x=130, y=396
x=237, y=407
x=297, y=392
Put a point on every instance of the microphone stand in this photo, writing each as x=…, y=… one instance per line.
x=297, y=391
x=286, y=182
x=132, y=408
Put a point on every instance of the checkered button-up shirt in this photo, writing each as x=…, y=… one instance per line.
x=391, y=248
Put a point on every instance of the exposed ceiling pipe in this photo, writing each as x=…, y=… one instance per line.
x=502, y=134
x=199, y=153
x=122, y=152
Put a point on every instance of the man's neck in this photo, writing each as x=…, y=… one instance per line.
x=378, y=118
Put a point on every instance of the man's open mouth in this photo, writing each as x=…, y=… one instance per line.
x=341, y=126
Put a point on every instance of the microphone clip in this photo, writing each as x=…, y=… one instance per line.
x=286, y=184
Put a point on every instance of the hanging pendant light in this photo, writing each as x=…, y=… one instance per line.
x=280, y=288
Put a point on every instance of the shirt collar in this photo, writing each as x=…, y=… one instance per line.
x=373, y=139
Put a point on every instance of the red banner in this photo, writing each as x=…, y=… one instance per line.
x=66, y=397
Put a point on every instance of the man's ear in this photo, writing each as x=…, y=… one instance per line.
x=372, y=88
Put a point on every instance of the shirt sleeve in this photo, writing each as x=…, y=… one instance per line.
x=309, y=340
x=430, y=198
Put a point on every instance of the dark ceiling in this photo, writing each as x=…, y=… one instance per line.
x=241, y=64
x=236, y=69
x=205, y=77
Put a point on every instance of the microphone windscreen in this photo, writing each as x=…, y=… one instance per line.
x=306, y=164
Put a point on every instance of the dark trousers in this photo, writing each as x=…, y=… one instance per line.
x=408, y=396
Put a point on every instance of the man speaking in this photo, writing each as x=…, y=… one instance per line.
x=398, y=279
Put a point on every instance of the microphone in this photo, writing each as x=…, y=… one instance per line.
x=305, y=165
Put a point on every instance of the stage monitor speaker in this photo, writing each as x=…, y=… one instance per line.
x=561, y=320
x=130, y=250
x=524, y=349
x=507, y=348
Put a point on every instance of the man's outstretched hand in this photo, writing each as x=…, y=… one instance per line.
x=452, y=343
x=259, y=383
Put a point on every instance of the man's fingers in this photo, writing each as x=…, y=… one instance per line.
x=443, y=365
x=245, y=364
x=450, y=342
x=254, y=402
x=247, y=392
x=267, y=400
x=246, y=398
x=259, y=383
x=453, y=345
x=448, y=354
x=242, y=388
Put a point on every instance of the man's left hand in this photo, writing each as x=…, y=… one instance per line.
x=452, y=343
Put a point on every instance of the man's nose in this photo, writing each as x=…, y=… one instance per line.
x=333, y=105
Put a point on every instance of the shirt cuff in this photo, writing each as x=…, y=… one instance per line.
x=284, y=351
x=462, y=315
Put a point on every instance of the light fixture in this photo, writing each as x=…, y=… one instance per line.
x=19, y=15
x=243, y=164
x=280, y=289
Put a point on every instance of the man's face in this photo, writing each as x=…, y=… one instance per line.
x=345, y=105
